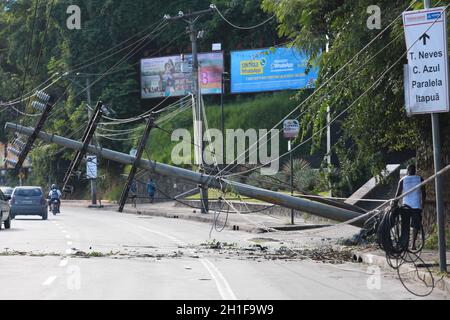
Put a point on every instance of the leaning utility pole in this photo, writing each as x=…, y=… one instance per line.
x=93, y=180
x=134, y=166
x=86, y=141
x=44, y=105
x=191, y=19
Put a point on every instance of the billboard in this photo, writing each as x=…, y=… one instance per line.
x=270, y=70
x=172, y=76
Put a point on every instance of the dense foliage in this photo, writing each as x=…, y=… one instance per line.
x=366, y=94
x=35, y=44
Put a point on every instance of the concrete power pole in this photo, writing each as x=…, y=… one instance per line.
x=438, y=182
x=191, y=19
x=89, y=101
x=198, y=114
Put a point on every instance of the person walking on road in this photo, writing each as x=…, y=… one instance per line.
x=133, y=192
x=151, y=187
x=414, y=201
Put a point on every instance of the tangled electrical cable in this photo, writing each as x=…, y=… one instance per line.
x=392, y=232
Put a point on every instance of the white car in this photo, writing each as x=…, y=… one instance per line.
x=5, y=212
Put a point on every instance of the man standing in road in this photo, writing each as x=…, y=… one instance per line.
x=415, y=200
x=133, y=192
x=151, y=190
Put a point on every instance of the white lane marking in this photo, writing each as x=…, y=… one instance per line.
x=165, y=235
x=68, y=251
x=69, y=243
x=68, y=236
x=64, y=231
x=49, y=281
x=63, y=263
x=221, y=283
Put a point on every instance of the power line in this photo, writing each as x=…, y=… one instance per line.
x=324, y=84
x=240, y=27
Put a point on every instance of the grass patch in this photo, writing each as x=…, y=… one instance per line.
x=432, y=243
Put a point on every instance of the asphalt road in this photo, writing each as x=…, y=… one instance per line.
x=92, y=254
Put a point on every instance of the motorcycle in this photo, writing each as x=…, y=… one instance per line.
x=54, y=207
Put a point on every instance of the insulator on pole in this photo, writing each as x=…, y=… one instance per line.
x=11, y=162
x=14, y=151
x=19, y=143
x=38, y=105
x=41, y=95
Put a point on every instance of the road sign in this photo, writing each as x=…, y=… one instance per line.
x=426, y=76
x=291, y=129
x=91, y=167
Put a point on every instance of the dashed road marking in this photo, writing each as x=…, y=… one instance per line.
x=69, y=243
x=49, y=281
x=69, y=251
x=68, y=236
x=63, y=263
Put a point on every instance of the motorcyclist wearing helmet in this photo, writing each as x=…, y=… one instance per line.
x=54, y=194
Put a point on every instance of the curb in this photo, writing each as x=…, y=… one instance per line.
x=245, y=228
x=210, y=219
x=407, y=270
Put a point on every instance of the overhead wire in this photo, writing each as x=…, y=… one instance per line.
x=241, y=27
x=327, y=81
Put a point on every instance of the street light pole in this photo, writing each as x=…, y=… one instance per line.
x=438, y=182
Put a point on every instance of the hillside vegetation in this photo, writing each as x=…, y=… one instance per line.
x=260, y=112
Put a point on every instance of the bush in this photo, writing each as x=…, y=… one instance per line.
x=432, y=243
x=306, y=179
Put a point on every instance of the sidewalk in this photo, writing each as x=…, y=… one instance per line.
x=377, y=257
x=260, y=222
x=250, y=222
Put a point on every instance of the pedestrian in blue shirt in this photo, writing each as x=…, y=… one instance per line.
x=414, y=201
x=151, y=187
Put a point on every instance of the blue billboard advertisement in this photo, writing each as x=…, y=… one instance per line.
x=270, y=70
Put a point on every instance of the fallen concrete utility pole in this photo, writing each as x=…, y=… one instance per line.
x=311, y=207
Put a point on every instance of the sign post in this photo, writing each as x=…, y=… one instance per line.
x=291, y=130
x=426, y=87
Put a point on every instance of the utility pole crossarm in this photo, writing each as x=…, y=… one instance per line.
x=86, y=140
x=134, y=168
